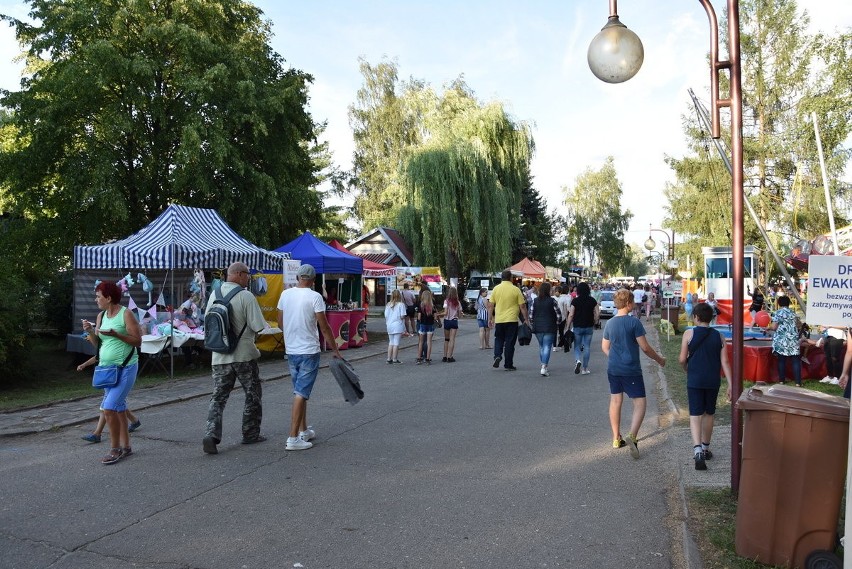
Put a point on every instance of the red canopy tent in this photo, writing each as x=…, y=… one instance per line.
x=371, y=269
x=528, y=269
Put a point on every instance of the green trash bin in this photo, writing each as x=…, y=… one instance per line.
x=792, y=475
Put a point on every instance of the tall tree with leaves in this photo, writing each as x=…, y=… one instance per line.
x=130, y=106
x=595, y=219
x=463, y=187
x=787, y=74
x=386, y=123
x=537, y=232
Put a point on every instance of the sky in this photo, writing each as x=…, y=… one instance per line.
x=529, y=56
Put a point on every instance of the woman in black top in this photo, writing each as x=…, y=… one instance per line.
x=583, y=314
x=545, y=318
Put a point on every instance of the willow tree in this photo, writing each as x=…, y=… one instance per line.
x=463, y=187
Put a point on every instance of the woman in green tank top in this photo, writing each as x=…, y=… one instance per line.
x=115, y=336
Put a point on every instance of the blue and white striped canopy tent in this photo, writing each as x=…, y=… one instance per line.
x=180, y=238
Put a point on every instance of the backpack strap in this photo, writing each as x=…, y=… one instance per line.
x=227, y=302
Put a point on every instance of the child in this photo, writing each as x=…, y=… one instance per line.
x=395, y=322
x=703, y=356
x=426, y=327
x=452, y=309
x=95, y=437
x=623, y=338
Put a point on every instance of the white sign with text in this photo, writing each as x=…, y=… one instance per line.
x=829, y=290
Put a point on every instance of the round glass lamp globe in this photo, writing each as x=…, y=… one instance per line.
x=616, y=53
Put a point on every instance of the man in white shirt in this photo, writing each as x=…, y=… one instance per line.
x=300, y=310
x=241, y=364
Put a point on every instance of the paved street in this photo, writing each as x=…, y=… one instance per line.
x=450, y=465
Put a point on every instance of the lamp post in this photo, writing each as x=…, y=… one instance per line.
x=650, y=245
x=626, y=68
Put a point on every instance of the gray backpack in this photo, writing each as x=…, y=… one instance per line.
x=219, y=337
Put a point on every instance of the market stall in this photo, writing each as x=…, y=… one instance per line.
x=159, y=263
x=339, y=281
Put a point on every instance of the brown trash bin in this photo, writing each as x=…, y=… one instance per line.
x=792, y=474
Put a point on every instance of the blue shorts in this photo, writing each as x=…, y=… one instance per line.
x=426, y=328
x=632, y=385
x=303, y=372
x=482, y=323
x=115, y=398
x=451, y=324
x=702, y=401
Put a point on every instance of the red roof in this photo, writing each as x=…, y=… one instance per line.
x=528, y=268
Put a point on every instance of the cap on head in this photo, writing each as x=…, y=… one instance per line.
x=306, y=272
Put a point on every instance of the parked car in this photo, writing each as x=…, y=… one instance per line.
x=608, y=304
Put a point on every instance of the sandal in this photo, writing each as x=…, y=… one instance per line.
x=113, y=456
x=126, y=451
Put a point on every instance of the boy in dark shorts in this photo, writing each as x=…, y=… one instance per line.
x=623, y=338
x=703, y=357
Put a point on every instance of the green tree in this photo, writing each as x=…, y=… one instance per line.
x=637, y=263
x=595, y=219
x=130, y=106
x=387, y=124
x=787, y=74
x=463, y=187
x=538, y=230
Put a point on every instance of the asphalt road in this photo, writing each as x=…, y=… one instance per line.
x=449, y=465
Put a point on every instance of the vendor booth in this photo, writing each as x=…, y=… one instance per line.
x=340, y=282
x=157, y=265
x=528, y=270
x=375, y=277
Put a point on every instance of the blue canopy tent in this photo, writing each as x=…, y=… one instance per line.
x=327, y=261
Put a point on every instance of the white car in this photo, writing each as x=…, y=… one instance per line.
x=608, y=304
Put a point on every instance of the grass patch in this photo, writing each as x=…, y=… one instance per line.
x=712, y=523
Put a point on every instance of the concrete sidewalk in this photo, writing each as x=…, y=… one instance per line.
x=78, y=411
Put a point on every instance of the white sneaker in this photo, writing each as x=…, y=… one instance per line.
x=585, y=372
x=577, y=366
x=834, y=381
x=308, y=434
x=544, y=371
x=297, y=443
x=826, y=379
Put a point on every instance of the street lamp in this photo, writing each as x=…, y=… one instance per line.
x=735, y=103
x=650, y=245
x=616, y=53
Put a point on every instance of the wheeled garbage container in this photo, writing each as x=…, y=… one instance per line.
x=792, y=474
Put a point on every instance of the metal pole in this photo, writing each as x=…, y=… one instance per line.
x=734, y=102
x=829, y=209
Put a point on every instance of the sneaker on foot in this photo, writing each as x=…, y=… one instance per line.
x=418, y=361
x=618, y=443
x=390, y=361
x=707, y=454
x=826, y=379
x=834, y=381
x=209, y=445
x=585, y=372
x=257, y=439
x=578, y=366
x=632, y=443
x=511, y=368
x=699, y=461
x=297, y=443
x=397, y=362
x=133, y=426
x=92, y=438
x=308, y=434
x=497, y=361
x=444, y=359
x=544, y=371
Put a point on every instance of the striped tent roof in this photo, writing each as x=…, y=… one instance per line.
x=180, y=238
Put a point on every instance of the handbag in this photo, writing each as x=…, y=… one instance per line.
x=107, y=376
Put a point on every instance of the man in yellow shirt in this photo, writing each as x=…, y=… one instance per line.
x=507, y=303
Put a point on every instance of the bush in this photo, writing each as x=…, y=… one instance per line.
x=14, y=318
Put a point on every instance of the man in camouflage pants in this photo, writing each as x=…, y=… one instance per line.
x=240, y=365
